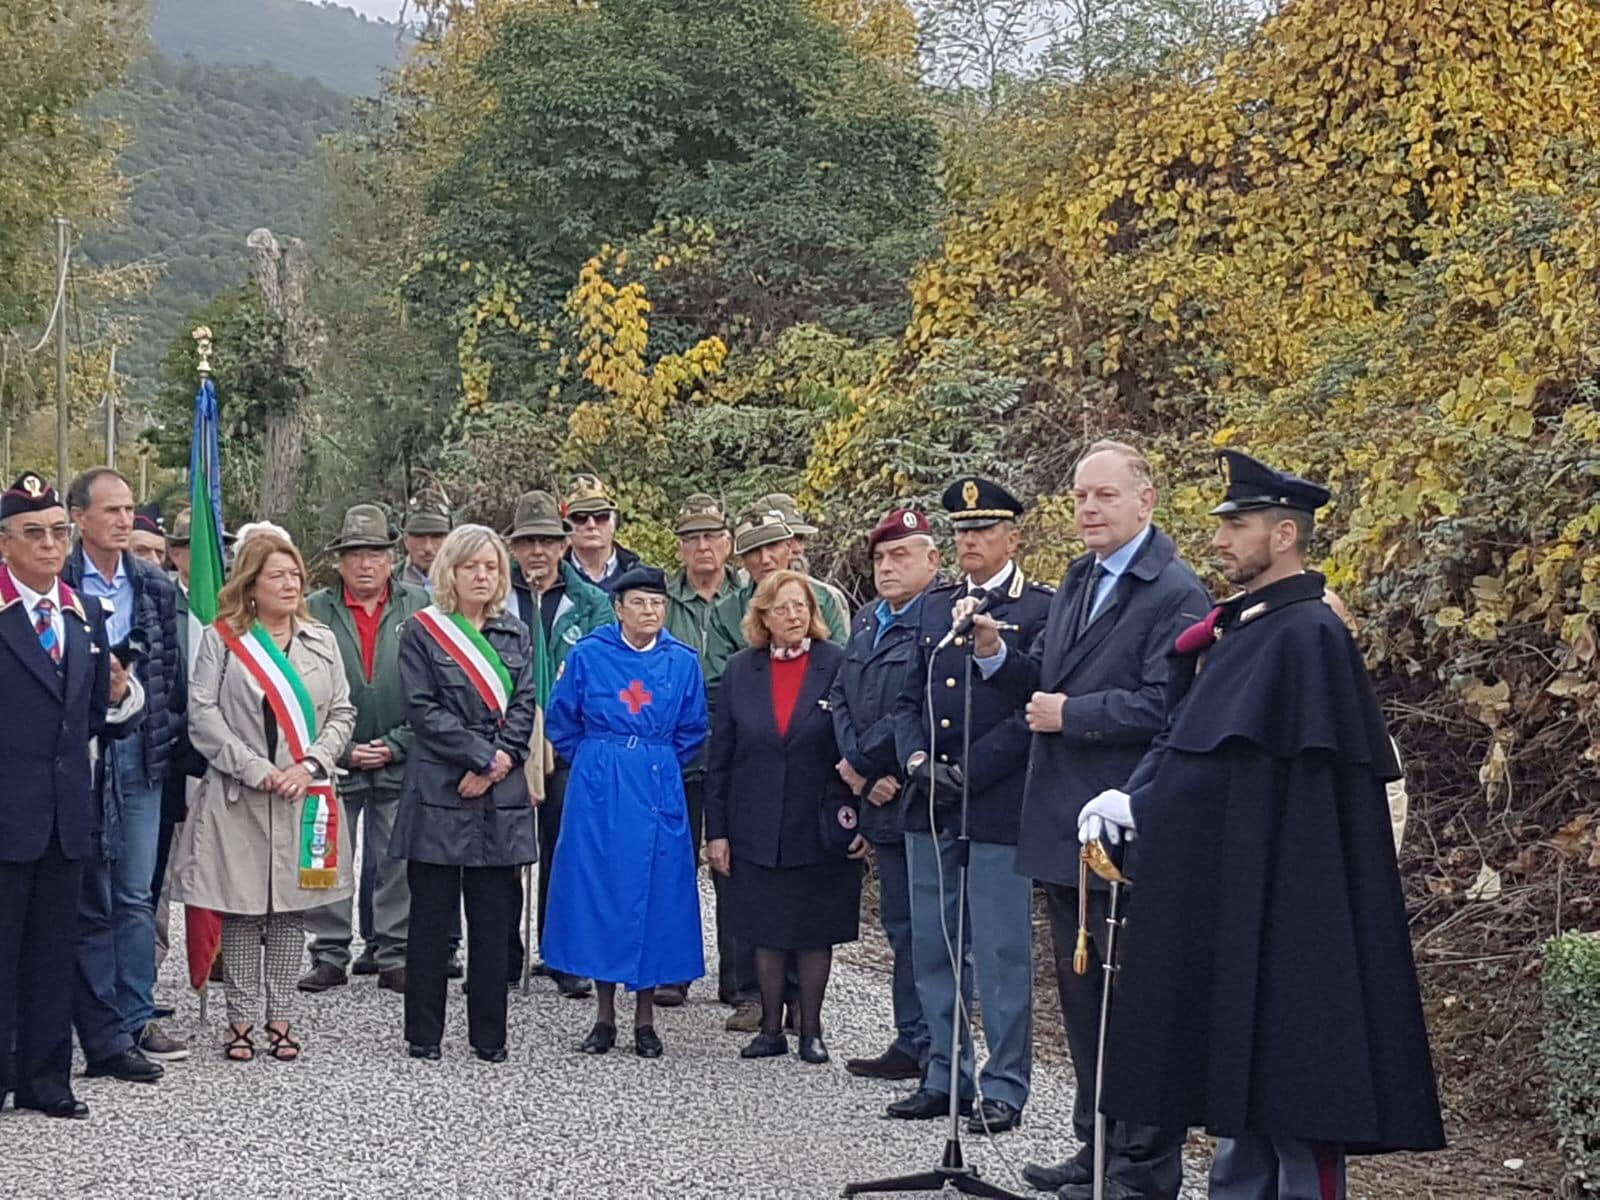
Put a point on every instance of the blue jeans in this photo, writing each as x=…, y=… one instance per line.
x=95, y=1012
x=1000, y=929
x=894, y=911
x=133, y=913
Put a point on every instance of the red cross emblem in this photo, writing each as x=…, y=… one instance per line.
x=635, y=697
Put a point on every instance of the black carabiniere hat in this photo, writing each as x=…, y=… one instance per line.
x=1251, y=484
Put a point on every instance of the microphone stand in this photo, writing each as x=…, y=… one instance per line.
x=953, y=1170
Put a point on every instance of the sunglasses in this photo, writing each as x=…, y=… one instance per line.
x=594, y=518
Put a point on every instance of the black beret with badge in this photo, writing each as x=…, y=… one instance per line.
x=30, y=493
x=1250, y=484
x=975, y=503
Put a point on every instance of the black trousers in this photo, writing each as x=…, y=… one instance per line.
x=1146, y=1158
x=436, y=896
x=736, y=962
x=38, y=926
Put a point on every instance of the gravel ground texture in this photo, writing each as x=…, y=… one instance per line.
x=356, y=1117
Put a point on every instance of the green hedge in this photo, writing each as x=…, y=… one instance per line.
x=1572, y=1055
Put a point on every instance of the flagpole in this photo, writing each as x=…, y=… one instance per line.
x=202, y=340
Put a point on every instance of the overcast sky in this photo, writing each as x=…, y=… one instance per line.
x=387, y=9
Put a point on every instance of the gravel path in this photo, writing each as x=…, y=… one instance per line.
x=358, y=1118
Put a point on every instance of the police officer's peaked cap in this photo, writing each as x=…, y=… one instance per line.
x=975, y=503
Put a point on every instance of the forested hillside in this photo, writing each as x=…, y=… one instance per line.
x=334, y=45
x=212, y=152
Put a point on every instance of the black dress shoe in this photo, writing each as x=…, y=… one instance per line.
x=813, y=1050
x=923, y=1105
x=1053, y=1179
x=995, y=1116
x=601, y=1038
x=893, y=1063
x=393, y=979
x=322, y=977
x=573, y=987
x=367, y=964
x=431, y=1053
x=69, y=1108
x=491, y=1056
x=647, y=1042
x=130, y=1066
x=765, y=1045
x=672, y=995
x=1115, y=1190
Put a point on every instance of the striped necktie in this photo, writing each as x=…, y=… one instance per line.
x=45, y=628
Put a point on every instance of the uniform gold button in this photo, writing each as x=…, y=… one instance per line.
x=961, y=641
x=944, y=758
x=950, y=683
x=944, y=723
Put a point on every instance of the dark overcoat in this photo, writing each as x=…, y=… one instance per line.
x=1000, y=736
x=454, y=731
x=766, y=792
x=1268, y=983
x=1114, y=674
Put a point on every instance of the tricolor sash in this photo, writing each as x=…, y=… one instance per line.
x=291, y=704
x=471, y=651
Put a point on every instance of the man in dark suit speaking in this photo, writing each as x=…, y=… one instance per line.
x=1094, y=683
x=57, y=674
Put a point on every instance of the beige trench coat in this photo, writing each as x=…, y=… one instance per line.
x=238, y=851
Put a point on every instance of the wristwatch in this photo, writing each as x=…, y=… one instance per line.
x=314, y=767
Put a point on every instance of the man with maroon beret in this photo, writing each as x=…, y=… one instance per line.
x=905, y=562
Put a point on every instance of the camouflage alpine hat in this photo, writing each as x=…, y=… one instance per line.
x=366, y=527
x=586, y=494
x=758, y=527
x=785, y=504
x=700, y=514
x=428, y=512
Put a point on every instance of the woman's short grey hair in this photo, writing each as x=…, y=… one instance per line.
x=464, y=542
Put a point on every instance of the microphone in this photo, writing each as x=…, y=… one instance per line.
x=961, y=626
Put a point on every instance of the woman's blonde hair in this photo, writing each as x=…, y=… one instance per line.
x=464, y=542
x=235, y=604
x=756, y=632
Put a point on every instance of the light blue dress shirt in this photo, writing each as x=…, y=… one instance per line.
x=118, y=589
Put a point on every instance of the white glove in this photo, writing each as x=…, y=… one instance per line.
x=1106, y=818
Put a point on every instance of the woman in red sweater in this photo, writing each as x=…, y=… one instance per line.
x=780, y=823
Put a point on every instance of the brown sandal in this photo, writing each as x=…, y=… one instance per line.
x=239, y=1048
x=281, y=1046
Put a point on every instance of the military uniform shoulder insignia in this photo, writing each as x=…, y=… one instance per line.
x=1251, y=613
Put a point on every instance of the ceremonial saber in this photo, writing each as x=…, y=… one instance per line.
x=1095, y=858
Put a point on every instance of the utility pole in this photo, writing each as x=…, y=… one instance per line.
x=61, y=354
x=111, y=409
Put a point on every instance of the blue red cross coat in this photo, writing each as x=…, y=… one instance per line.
x=624, y=907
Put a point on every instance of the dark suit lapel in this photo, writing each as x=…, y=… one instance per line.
x=18, y=633
x=761, y=684
x=78, y=663
x=812, y=688
x=1105, y=620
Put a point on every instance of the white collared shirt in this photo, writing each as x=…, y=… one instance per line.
x=995, y=581
x=30, y=600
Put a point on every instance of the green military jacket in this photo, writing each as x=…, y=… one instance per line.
x=725, y=633
x=586, y=609
x=689, y=620
x=381, y=703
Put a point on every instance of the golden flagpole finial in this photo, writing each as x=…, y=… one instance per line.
x=202, y=342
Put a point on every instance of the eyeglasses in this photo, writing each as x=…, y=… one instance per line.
x=648, y=603
x=594, y=518
x=791, y=608
x=40, y=533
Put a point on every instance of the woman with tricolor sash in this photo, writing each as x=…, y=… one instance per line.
x=465, y=823
x=270, y=711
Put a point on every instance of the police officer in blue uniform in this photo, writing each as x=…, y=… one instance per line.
x=55, y=672
x=928, y=741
